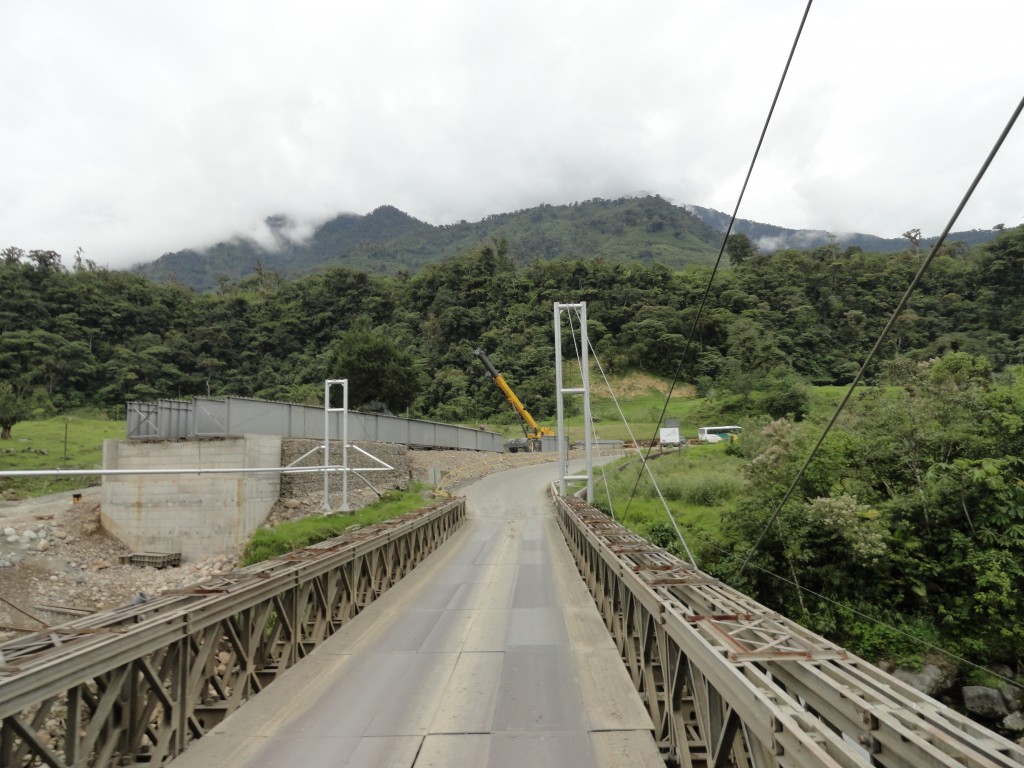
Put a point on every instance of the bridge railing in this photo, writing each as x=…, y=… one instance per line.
x=728, y=682
x=211, y=417
x=138, y=684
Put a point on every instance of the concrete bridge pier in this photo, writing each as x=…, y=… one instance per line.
x=198, y=515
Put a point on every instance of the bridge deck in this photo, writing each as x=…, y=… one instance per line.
x=491, y=653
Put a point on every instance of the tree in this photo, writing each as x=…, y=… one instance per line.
x=785, y=396
x=377, y=366
x=914, y=236
x=13, y=408
x=753, y=352
x=740, y=248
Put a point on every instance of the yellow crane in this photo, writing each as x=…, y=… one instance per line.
x=531, y=429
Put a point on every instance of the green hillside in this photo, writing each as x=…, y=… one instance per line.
x=647, y=230
x=913, y=512
x=388, y=241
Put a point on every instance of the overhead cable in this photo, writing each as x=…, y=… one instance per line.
x=721, y=251
x=885, y=331
x=646, y=465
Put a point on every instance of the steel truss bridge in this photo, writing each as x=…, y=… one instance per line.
x=728, y=682
x=138, y=684
x=725, y=681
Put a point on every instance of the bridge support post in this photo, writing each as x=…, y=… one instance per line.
x=583, y=355
x=344, y=443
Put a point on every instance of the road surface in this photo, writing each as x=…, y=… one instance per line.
x=491, y=653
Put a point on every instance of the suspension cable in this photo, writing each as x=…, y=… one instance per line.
x=721, y=251
x=646, y=465
x=888, y=327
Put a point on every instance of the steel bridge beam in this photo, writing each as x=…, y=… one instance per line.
x=728, y=682
x=137, y=684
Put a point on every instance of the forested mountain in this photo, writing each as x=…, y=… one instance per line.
x=769, y=237
x=915, y=510
x=290, y=256
x=387, y=241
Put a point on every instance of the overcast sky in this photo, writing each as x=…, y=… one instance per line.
x=133, y=128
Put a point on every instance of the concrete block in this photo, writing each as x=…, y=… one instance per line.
x=198, y=515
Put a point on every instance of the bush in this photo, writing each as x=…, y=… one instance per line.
x=890, y=638
x=266, y=543
x=672, y=489
x=707, y=492
x=702, y=490
x=786, y=400
x=659, y=533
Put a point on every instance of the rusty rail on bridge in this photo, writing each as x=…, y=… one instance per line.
x=727, y=682
x=135, y=685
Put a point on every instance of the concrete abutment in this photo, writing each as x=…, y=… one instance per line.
x=198, y=515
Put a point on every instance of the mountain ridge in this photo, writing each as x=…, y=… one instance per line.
x=387, y=240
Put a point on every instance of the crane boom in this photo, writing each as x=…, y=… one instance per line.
x=531, y=429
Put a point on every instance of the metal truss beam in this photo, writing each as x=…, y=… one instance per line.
x=728, y=682
x=137, y=684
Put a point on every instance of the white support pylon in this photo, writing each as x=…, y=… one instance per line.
x=344, y=443
x=584, y=390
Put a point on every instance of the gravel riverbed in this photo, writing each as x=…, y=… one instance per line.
x=56, y=561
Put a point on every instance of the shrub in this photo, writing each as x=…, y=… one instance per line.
x=709, y=490
x=296, y=534
x=659, y=533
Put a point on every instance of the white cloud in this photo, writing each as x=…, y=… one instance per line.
x=132, y=129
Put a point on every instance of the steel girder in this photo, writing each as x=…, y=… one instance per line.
x=728, y=682
x=137, y=684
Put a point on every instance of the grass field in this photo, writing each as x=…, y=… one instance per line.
x=41, y=445
x=697, y=482
x=296, y=534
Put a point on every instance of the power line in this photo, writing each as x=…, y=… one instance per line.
x=888, y=327
x=721, y=251
x=646, y=465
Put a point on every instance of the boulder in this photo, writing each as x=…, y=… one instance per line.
x=985, y=702
x=931, y=679
x=1014, y=696
x=1014, y=722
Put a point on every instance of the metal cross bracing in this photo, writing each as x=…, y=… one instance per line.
x=728, y=682
x=135, y=685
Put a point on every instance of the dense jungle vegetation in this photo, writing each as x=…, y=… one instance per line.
x=914, y=512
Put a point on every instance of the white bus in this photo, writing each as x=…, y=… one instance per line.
x=717, y=434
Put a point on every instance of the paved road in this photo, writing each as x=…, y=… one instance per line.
x=491, y=653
